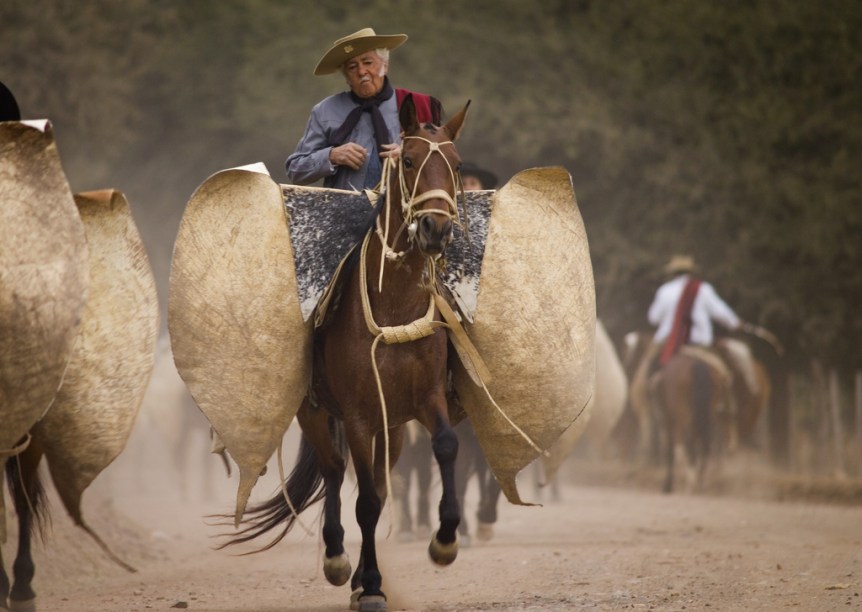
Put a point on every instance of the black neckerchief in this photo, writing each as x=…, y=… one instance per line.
x=369, y=105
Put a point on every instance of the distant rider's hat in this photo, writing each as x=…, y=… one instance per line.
x=486, y=177
x=356, y=44
x=680, y=264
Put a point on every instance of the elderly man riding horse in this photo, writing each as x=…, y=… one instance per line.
x=348, y=133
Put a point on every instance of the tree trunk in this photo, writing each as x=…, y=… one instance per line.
x=837, y=423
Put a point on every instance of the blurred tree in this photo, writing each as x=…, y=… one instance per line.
x=728, y=130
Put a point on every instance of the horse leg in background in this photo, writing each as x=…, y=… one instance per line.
x=29, y=498
x=465, y=463
x=444, y=544
x=401, y=492
x=325, y=435
x=489, y=497
x=423, y=481
x=4, y=577
x=416, y=458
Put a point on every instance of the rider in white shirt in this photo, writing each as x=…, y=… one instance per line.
x=707, y=306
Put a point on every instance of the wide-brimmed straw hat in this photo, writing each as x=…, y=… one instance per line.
x=486, y=177
x=679, y=264
x=355, y=44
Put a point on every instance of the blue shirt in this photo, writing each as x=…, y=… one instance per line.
x=310, y=161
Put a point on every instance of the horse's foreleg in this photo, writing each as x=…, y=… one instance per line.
x=368, y=506
x=444, y=545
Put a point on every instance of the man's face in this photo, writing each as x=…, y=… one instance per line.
x=471, y=183
x=364, y=74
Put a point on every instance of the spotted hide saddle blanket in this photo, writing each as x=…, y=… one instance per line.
x=325, y=224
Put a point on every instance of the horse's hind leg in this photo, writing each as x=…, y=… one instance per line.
x=324, y=433
x=444, y=545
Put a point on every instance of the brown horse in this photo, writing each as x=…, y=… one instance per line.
x=691, y=392
x=380, y=360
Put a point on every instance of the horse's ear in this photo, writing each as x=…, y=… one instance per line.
x=407, y=115
x=454, y=125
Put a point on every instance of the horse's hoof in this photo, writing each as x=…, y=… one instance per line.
x=337, y=569
x=28, y=605
x=372, y=603
x=369, y=603
x=485, y=531
x=442, y=554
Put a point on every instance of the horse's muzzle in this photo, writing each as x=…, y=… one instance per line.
x=434, y=234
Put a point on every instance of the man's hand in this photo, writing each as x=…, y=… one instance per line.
x=391, y=150
x=349, y=154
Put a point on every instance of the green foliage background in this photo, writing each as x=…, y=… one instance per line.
x=730, y=130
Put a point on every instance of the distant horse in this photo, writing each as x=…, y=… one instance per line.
x=691, y=393
x=364, y=390
x=752, y=393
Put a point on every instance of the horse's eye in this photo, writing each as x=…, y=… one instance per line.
x=408, y=163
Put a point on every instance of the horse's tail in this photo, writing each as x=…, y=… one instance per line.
x=304, y=487
x=702, y=390
x=28, y=493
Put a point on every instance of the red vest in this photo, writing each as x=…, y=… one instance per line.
x=427, y=108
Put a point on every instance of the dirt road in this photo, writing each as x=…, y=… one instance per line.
x=597, y=548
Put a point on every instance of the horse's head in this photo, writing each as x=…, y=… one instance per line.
x=428, y=178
